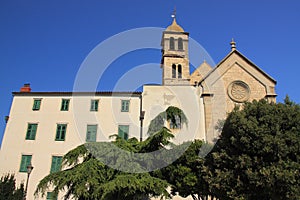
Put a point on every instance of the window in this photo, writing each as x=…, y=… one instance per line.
x=180, y=44
x=125, y=105
x=91, y=133
x=51, y=196
x=94, y=105
x=25, y=161
x=123, y=131
x=36, y=104
x=176, y=124
x=65, y=104
x=172, y=43
x=61, y=132
x=179, y=71
x=173, y=71
x=56, y=164
x=31, y=131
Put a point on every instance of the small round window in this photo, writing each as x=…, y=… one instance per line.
x=239, y=91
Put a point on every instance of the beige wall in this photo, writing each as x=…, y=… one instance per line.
x=44, y=146
x=157, y=99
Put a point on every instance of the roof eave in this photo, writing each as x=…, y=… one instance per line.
x=246, y=59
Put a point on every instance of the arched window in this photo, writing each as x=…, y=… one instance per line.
x=173, y=71
x=172, y=43
x=180, y=44
x=179, y=71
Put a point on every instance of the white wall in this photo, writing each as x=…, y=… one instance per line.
x=108, y=117
x=158, y=98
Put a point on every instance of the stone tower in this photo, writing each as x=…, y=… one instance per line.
x=175, y=56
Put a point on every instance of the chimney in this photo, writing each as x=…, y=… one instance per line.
x=26, y=88
x=6, y=119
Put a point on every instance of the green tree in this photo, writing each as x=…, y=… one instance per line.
x=99, y=170
x=89, y=175
x=8, y=188
x=258, y=153
x=186, y=174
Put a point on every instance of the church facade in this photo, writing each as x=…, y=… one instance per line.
x=43, y=126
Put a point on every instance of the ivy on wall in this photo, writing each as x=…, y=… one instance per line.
x=170, y=114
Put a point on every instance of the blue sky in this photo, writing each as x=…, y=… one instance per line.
x=45, y=42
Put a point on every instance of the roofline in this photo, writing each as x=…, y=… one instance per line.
x=176, y=32
x=247, y=60
x=97, y=93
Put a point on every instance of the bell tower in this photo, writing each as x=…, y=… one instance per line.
x=175, y=57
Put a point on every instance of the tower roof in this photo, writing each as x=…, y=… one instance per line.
x=175, y=27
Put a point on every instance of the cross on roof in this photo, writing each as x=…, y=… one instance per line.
x=174, y=13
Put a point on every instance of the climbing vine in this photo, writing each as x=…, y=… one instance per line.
x=170, y=114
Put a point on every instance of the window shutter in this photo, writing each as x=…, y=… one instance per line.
x=36, y=104
x=125, y=105
x=51, y=196
x=31, y=131
x=96, y=105
x=61, y=132
x=91, y=133
x=65, y=104
x=56, y=164
x=28, y=132
x=25, y=161
x=53, y=165
x=123, y=131
x=57, y=132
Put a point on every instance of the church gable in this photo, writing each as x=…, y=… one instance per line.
x=242, y=80
x=240, y=85
x=233, y=81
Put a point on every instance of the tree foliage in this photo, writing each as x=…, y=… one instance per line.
x=257, y=155
x=170, y=115
x=186, y=175
x=89, y=177
x=8, y=189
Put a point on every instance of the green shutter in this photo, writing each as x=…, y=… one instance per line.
x=91, y=133
x=94, y=105
x=125, y=106
x=31, y=131
x=25, y=161
x=36, y=104
x=58, y=130
x=56, y=164
x=61, y=132
x=123, y=131
x=51, y=196
x=65, y=104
